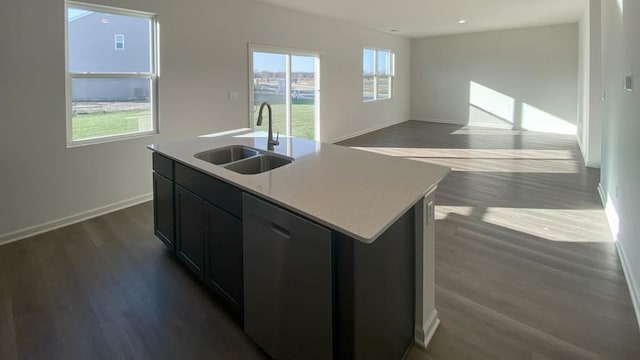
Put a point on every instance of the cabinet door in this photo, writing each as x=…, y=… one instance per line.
x=163, y=210
x=287, y=282
x=224, y=255
x=190, y=230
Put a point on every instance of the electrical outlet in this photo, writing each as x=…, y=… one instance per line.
x=232, y=95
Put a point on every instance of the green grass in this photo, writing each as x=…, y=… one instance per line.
x=87, y=126
x=302, y=116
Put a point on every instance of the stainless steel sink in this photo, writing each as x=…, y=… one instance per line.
x=227, y=154
x=243, y=159
x=258, y=164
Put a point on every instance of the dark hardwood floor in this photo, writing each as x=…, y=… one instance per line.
x=106, y=288
x=525, y=263
x=525, y=267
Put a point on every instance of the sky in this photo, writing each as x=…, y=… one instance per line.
x=277, y=62
x=383, y=61
x=73, y=13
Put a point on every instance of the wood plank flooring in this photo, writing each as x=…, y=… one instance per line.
x=525, y=267
x=107, y=288
x=525, y=263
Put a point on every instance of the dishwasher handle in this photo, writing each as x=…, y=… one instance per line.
x=280, y=230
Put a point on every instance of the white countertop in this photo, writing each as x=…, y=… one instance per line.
x=356, y=192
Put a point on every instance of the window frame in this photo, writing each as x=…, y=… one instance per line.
x=152, y=75
x=376, y=76
x=288, y=52
x=116, y=42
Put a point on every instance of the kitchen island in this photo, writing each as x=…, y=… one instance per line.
x=329, y=256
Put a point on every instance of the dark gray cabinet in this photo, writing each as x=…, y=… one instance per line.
x=190, y=245
x=287, y=282
x=223, y=270
x=209, y=233
x=217, y=192
x=163, y=216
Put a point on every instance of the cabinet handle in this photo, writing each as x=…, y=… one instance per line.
x=280, y=231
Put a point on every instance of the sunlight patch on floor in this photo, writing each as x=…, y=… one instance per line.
x=549, y=224
x=506, y=165
x=473, y=153
x=492, y=131
x=489, y=160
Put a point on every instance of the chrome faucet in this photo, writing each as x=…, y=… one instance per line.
x=270, y=142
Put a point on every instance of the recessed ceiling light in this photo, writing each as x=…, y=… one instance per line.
x=462, y=21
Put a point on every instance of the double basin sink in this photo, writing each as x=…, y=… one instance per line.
x=243, y=159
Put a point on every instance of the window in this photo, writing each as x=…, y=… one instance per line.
x=290, y=81
x=377, y=74
x=119, y=42
x=111, y=93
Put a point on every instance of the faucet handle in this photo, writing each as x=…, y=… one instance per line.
x=277, y=138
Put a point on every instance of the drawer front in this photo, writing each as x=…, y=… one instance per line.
x=163, y=165
x=217, y=192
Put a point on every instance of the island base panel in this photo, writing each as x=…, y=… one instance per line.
x=375, y=299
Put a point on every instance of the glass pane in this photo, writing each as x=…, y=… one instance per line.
x=384, y=87
x=119, y=42
x=91, y=37
x=269, y=84
x=367, y=61
x=367, y=88
x=384, y=62
x=110, y=106
x=303, y=93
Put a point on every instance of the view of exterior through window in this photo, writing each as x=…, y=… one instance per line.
x=111, y=87
x=289, y=82
x=378, y=70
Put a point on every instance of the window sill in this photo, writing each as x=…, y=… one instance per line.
x=376, y=100
x=110, y=138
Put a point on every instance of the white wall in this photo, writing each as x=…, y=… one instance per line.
x=203, y=56
x=590, y=85
x=620, y=172
x=523, y=78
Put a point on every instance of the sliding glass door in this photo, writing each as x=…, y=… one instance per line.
x=289, y=81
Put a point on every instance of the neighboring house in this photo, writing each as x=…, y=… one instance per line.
x=105, y=43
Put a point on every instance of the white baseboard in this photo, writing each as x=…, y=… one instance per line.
x=592, y=164
x=611, y=212
x=440, y=121
x=587, y=161
x=634, y=291
x=582, y=150
x=632, y=284
x=366, y=131
x=603, y=198
x=423, y=335
x=68, y=220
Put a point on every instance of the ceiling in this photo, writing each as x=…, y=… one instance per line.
x=418, y=18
